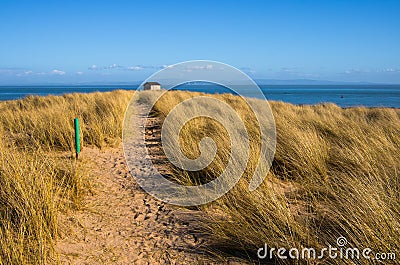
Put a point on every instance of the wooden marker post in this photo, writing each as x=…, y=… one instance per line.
x=77, y=138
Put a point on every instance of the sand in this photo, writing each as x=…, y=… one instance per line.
x=119, y=223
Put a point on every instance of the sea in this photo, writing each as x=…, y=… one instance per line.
x=342, y=95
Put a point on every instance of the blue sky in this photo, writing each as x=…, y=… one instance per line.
x=112, y=41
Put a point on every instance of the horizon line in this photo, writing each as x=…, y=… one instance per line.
x=259, y=81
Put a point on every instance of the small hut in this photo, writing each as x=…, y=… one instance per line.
x=151, y=86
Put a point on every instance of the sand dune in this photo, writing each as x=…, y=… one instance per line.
x=119, y=223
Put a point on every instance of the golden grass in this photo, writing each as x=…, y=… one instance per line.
x=47, y=122
x=335, y=173
x=39, y=176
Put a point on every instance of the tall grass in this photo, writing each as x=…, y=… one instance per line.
x=47, y=122
x=39, y=176
x=335, y=173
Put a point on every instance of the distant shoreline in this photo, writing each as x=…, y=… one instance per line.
x=377, y=96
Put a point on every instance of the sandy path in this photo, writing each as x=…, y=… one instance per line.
x=121, y=224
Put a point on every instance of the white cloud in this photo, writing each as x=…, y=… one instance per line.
x=79, y=73
x=127, y=68
x=362, y=71
x=247, y=70
x=5, y=70
x=15, y=71
x=391, y=70
x=25, y=73
x=113, y=66
x=373, y=71
x=33, y=73
x=198, y=67
x=57, y=72
x=355, y=71
x=154, y=67
x=134, y=68
x=288, y=69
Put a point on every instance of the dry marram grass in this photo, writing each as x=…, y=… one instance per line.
x=335, y=173
x=38, y=174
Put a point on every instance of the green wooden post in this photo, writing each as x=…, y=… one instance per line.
x=77, y=138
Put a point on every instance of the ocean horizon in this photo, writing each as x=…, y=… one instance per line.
x=342, y=95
